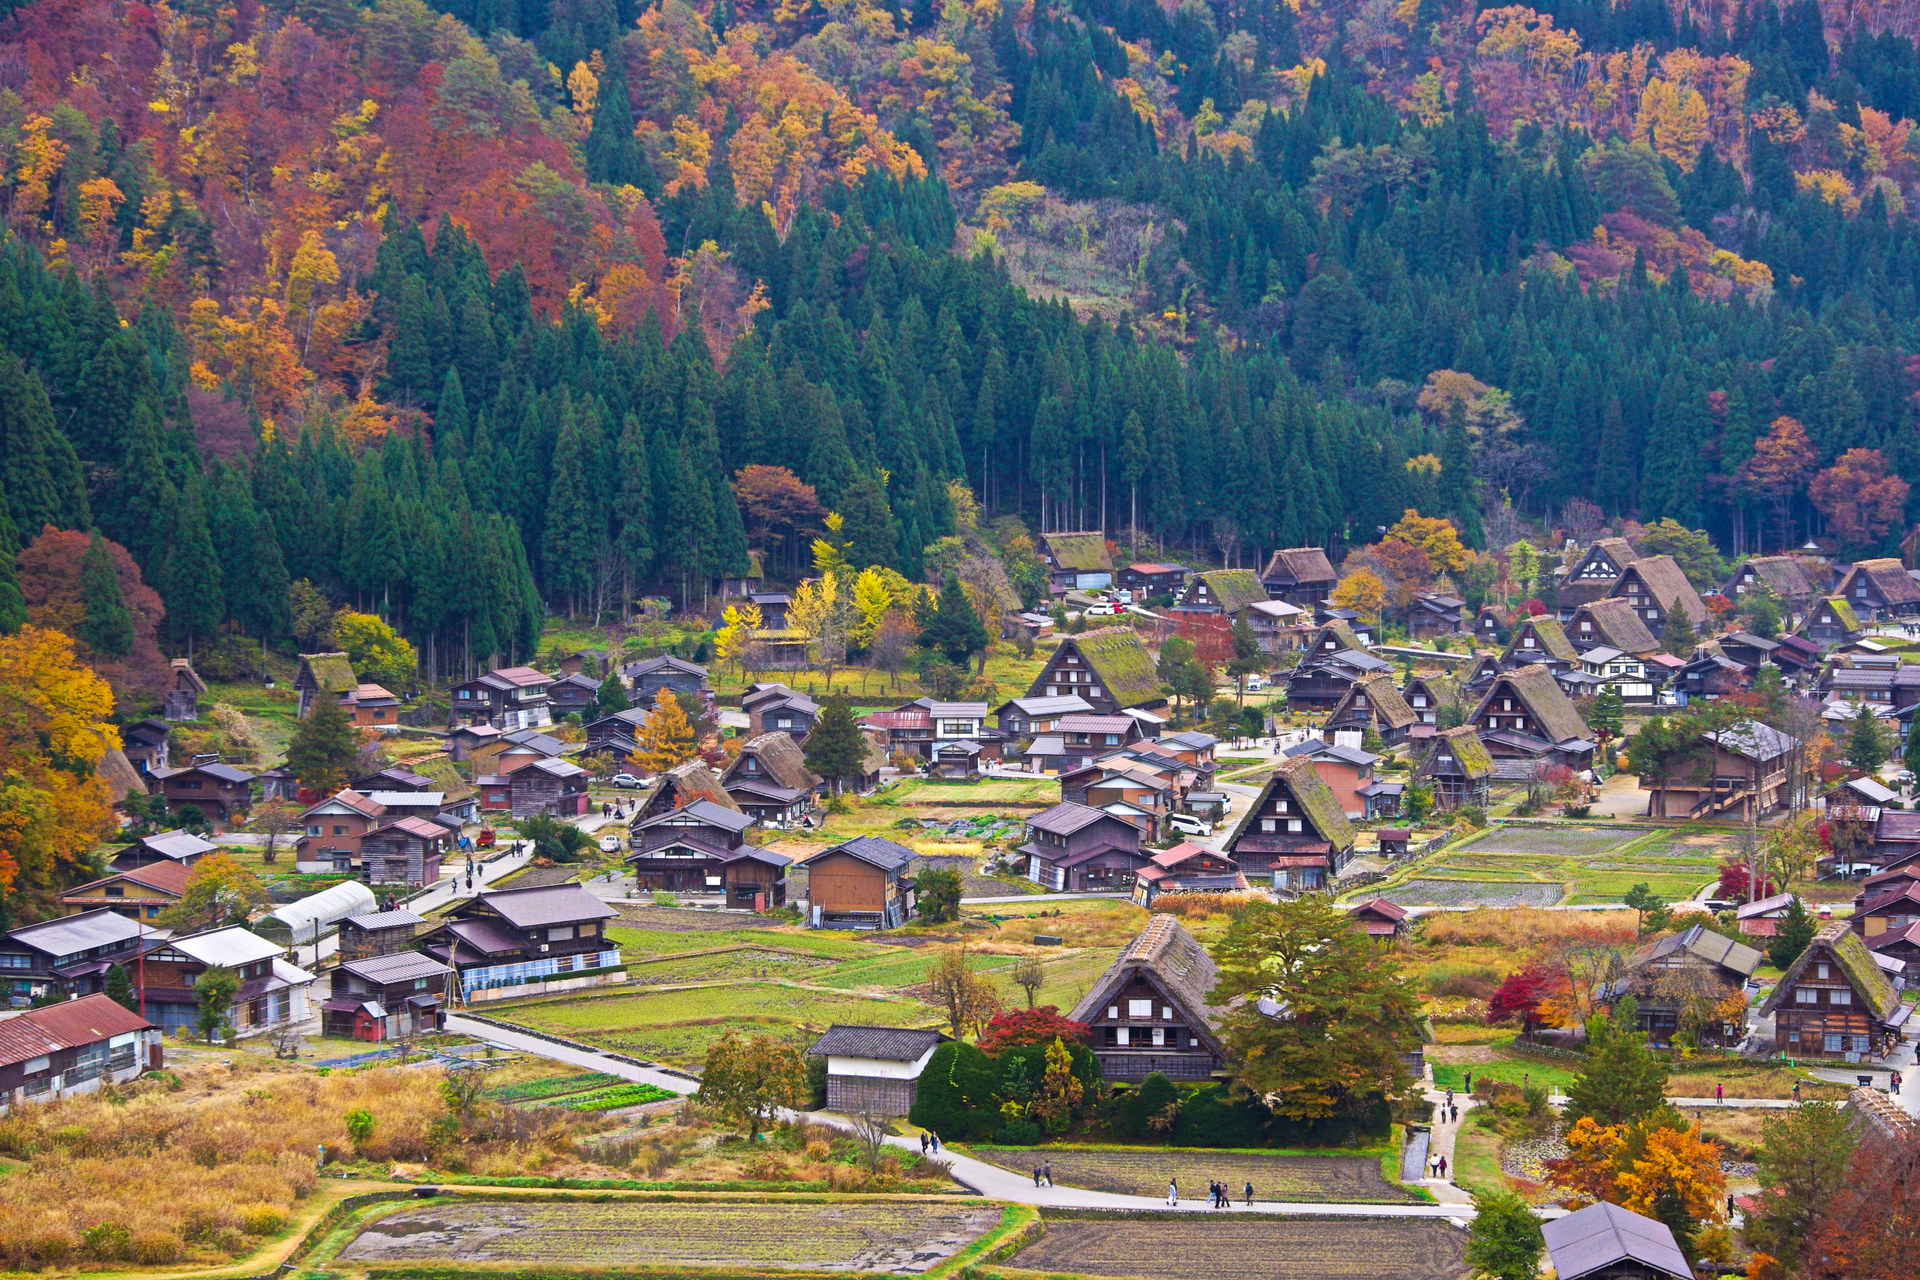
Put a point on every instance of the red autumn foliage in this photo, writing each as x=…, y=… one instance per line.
x=1038, y=1025
x=49, y=572
x=1736, y=881
x=1521, y=993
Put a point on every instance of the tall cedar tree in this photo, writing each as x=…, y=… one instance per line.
x=323, y=748
x=1868, y=741
x=610, y=697
x=1792, y=935
x=108, y=629
x=1349, y=1011
x=13, y=604
x=1679, y=638
x=1506, y=1242
x=836, y=749
x=1623, y=1081
x=954, y=628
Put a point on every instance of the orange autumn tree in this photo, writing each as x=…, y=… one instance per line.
x=1677, y=1166
x=1592, y=1162
x=54, y=729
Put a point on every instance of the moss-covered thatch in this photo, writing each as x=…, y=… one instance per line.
x=1300, y=780
x=331, y=672
x=1471, y=754
x=1079, y=552
x=1848, y=952
x=1121, y=661
x=1234, y=589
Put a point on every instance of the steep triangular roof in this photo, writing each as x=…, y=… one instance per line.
x=1850, y=955
x=1122, y=662
x=1553, y=640
x=1543, y=698
x=1299, y=564
x=1233, y=589
x=1889, y=577
x=782, y=758
x=1614, y=623
x=1079, y=552
x=329, y=672
x=1388, y=710
x=1316, y=800
x=1175, y=963
x=1468, y=751
x=1787, y=575
x=1668, y=584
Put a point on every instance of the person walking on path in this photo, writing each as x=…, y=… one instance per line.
x=1173, y=1191
x=1036, y=1175
x=1454, y=1114
x=1443, y=1166
x=1226, y=1196
x=1449, y=1097
x=1796, y=1091
x=1046, y=1171
x=1249, y=1190
x=1469, y=1084
x=1720, y=1094
x=923, y=1143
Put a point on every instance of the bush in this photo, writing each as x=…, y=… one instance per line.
x=105, y=1241
x=262, y=1219
x=955, y=1094
x=359, y=1126
x=816, y=1080
x=155, y=1248
x=1018, y=1133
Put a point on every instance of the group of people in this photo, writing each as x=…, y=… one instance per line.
x=929, y=1142
x=1041, y=1171
x=1218, y=1192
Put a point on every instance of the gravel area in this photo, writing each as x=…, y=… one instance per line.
x=1528, y=1157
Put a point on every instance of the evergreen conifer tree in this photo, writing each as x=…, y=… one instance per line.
x=190, y=572
x=119, y=989
x=13, y=604
x=1623, y=1081
x=108, y=627
x=609, y=698
x=323, y=748
x=1678, y=637
x=836, y=749
x=954, y=628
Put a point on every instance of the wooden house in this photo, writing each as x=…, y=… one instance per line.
x=571, y=695
x=1076, y=561
x=1149, y=1011
x=1024, y=717
x=649, y=676
x=372, y=706
x=381, y=998
x=774, y=607
x=1186, y=868
x=1710, y=674
x=552, y=786
x=1761, y=918
x=1611, y=623
x=1835, y=1002
x=393, y=778
x=1109, y=668
x=1149, y=580
x=1898, y=953
x=1740, y=773
x=1526, y=718
x=1539, y=639
x=1380, y=919
x=682, y=849
x=506, y=697
x=774, y=707
x=1427, y=696
x=1278, y=626
x=272, y=992
x=1624, y=673
x=1656, y=588
x=378, y=933
x=770, y=781
x=507, y=940
x=1072, y=848
x=1879, y=590
x=616, y=734
x=1363, y=630
x=584, y=662
x=327, y=675
x=145, y=744
x=219, y=791
x=182, y=701
x=681, y=786
x=67, y=956
x=1223, y=591
x=73, y=1048
x=1299, y=575
x=1605, y=1242
x=861, y=884
x=181, y=848
x=1492, y=626
x=331, y=831
x=1371, y=703
x=1430, y=615
x=1458, y=767
x=1595, y=574
x=1675, y=975
x=1348, y=773
x=1294, y=832
x=1086, y=736
x=1143, y=794
x=465, y=739
x=1831, y=621
x=1334, y=660
x=1786, y=576
x=138, y=893
x=407, y=851
x=874, y=1071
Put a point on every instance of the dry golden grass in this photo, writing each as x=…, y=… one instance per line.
x=1520, y=928
x=157, y=1174
x=1202, y=906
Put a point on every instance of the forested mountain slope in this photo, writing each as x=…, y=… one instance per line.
x=465, y=314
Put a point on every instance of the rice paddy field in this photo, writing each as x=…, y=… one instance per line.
x=1144, y=1172
x=1245, y=1248
x=839, y=1236
x=1574, y=865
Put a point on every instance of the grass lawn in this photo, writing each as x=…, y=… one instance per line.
x=1476, y=1155
x=1337, y=1175
x=1507, y=1068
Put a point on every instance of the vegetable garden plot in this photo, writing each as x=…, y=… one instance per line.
x=1330, y=1178
x=1561, y=841
x=840, y=1237
x=1248, y=1248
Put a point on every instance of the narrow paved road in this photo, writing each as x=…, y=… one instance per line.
x=986, y=1179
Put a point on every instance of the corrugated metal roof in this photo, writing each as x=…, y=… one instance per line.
x=405, y=966
x=1602, y=1234
x=82, y=932
x=887, y=1044
x=69, y=1025
x=546, y=904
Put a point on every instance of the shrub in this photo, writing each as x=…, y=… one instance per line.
x=105, y=1241
x=1018, y=1133
x=155, y=1248
x=955, y=1095
x=359, y=1126
x=260, y=1219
